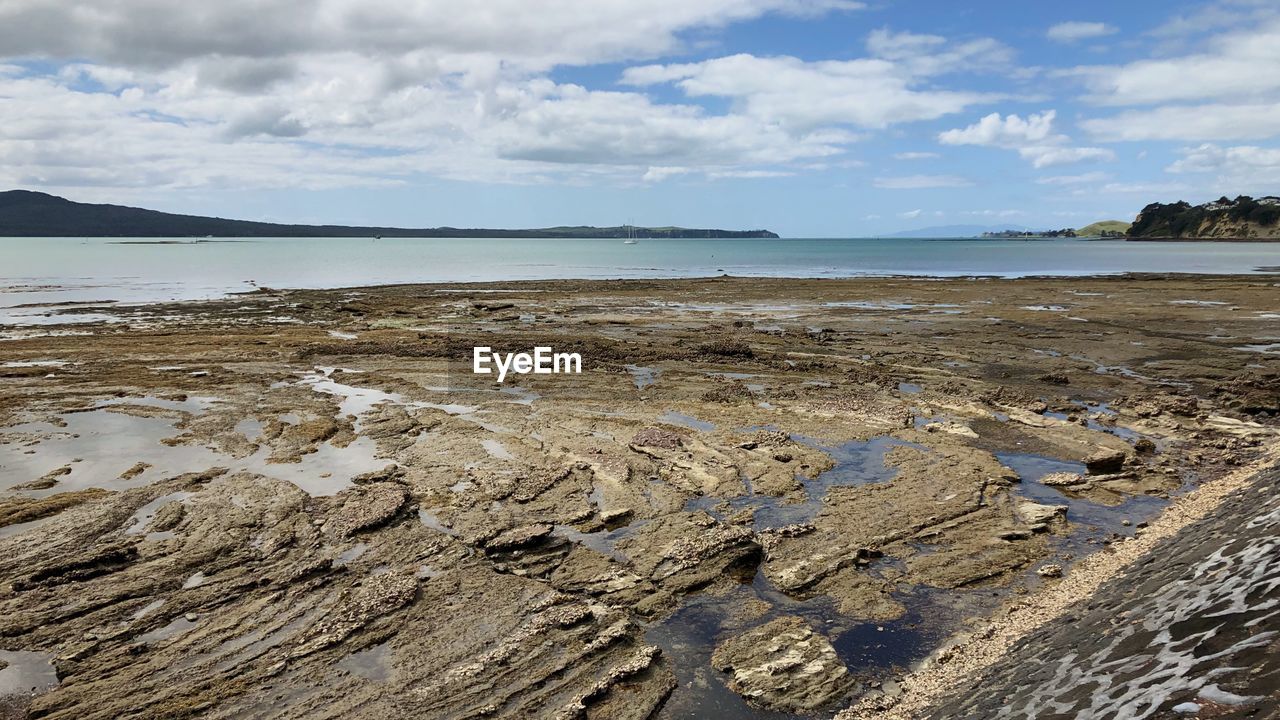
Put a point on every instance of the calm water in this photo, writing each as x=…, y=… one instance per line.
x=50, y=270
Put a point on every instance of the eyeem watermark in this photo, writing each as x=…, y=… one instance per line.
x=543, y=361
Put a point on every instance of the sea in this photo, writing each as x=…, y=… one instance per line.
x=38, y=272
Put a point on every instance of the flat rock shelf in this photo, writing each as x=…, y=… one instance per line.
x=762, y=498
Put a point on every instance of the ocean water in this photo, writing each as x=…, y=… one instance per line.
x=60, y=270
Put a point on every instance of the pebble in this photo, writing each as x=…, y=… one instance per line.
x=1050, y=571
x=1186, y=708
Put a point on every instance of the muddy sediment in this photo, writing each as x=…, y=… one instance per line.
x=761, y=498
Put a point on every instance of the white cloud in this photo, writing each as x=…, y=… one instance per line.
x=424, y=33
x=1033, y=138
x=1239, y=66
x=1143, y=188
x=514, y=131
x=916, y=156
x=1081, y=179
x=1048, y=155
x=1075, y=31
x=1227, y=90
x=1208, y=158
x=873, y=92
x=748, y=174
x=1213, y=17
x=1011, y=131
x=994, y=213
x=380, y=91
x=867, y=93
x=660, y=173
x=1190, y=122
x=928, y=55
x=1238, y=169
x=918, y=182
x=572, y=125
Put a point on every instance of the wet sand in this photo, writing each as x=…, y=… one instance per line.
x=762, y=498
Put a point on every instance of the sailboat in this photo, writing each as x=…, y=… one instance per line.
x=631, y=238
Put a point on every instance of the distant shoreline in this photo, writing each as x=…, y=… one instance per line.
x=24, y=213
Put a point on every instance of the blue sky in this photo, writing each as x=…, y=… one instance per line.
x=808, y=117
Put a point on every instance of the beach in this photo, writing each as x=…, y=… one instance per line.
x=761, y=498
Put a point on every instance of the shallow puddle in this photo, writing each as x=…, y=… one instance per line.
x=26, y=673
x=98, y=446
x=497, y=450
x=103, y=448
x=326, y=471
x=523, y=396
x=371, y=664
x=732, y=375
x=1090, y=520
x=175, y=628
x=643, y=377
x=428, y=518
x=1090, y=410
x=1267, y=349
x=871, y=651
x=147, y=609
x=19, y=528
x=143, y=516
x=452, y=408
x=350, y=555
x=856, y=463
x=868, y=305
x=678, y=418
x=33, y=363
x=604, y=542
x=353, y=400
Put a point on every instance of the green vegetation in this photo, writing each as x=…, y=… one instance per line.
x=34, y=214
x=1029, y=234
x=1104, y=228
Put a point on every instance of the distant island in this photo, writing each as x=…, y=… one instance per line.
x=1243, y=218
x=1029, y=234
x=24, y=213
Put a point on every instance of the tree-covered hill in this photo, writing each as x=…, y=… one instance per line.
x=1243, y=218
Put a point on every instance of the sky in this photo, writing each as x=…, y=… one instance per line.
x=812, y=118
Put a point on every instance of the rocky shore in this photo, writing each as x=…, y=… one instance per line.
x=762, y=498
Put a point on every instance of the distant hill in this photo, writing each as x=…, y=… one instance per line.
x=1104, y=228
x=956, y=231
x=34, y=214
x=1223, y=219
